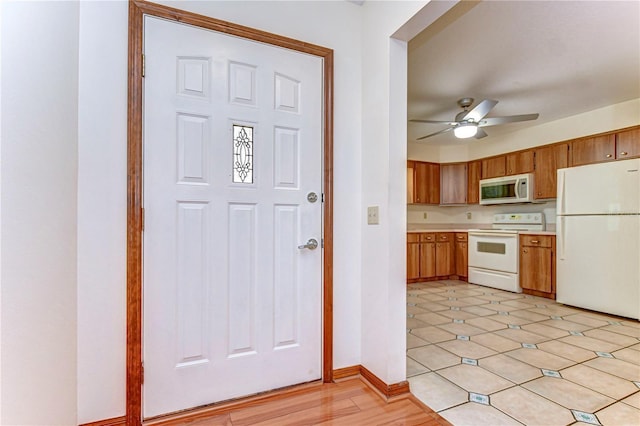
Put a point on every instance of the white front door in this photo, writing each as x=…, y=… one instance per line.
x=232, y=148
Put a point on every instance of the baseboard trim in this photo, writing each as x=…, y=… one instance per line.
x=387, y=391
x=116, y=421
x=346, y=372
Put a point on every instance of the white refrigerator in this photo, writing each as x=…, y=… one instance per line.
x=598, y=237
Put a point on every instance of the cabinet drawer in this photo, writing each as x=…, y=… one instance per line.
x=461, y=237
x=536, y=240
x=419, y=237
x=442, y=237
x=413, y=237
x=427, y=238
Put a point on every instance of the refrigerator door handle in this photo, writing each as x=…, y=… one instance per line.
x=561, y=230
x=560, y=195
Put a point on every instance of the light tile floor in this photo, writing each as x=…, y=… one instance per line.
x=481, y=356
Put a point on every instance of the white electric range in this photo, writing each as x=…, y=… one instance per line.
x=493, y=253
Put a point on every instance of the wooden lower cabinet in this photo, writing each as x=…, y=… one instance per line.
x=444, y=254
x=462, y=254
x=420, y=256
x=434, y=256
x=413, y=257
x=537, y=265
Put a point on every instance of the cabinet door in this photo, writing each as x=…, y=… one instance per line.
x=427, y=260
x=595, y=149
x=444, y=259
x=410, y=182
x=536, y=268
x=427, y=183
x=628, y=144
x=413, y=260
x=519, y=162
x=444, y=254
x=474, y=171
x=494, y=167
x=453, y=183
x=461, y=259
x=548, y=160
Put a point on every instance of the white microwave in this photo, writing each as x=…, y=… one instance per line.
x=507, y=189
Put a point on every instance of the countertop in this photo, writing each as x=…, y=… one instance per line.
x=457, y=227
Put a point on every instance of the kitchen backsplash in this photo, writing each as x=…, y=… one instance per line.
x=481, y=215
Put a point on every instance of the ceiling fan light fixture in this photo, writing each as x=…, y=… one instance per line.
x=466, y=130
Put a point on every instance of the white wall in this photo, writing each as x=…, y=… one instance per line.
x=611, y=117
x=102, y=210
x=618, y=116
x=38, y=246
x=384, y=83
x=481, y=216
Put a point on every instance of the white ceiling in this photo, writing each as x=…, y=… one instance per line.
x=556, y=58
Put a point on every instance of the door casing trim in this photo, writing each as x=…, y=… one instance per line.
x=137, y=10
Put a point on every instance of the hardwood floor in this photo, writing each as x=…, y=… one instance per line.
x=349, y=402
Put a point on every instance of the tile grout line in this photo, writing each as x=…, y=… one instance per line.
x=561, y=316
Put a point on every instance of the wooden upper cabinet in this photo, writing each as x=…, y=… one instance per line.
x=494, y=167
x=519, y=162
x=426, y=183
x=453, y=183
x=596, y=149
x=410, y=182
x=628, y=144
x=548, y=159
x=474, y=171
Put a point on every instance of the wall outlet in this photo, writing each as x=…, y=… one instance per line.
x=424, y=215
x=372, y=215
x=468, y=215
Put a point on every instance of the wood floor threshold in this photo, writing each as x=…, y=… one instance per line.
x=357, y=372
x=208, y=411
x=116, y=421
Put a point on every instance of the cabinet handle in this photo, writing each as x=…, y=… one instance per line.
x=525, y=251
x=534, y=241
x=608, y=155
x=623, y=153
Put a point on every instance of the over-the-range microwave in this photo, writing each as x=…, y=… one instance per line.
x=507, y=189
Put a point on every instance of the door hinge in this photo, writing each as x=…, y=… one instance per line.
x=142, y=218
x=144, y=65
x=323, y=197
x=322, y=243
x=142, y=372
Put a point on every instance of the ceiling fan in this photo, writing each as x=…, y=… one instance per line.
x=469, y=123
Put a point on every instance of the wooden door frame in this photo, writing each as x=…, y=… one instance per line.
x=137, y=10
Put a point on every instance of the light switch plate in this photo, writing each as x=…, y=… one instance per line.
x=372, y=215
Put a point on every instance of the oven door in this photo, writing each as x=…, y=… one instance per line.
x=494, y=250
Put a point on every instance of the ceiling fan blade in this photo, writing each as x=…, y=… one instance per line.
x=433, y=121
x=480, y=134
x=480, y=110
x=436, y=133
x=493, y=121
